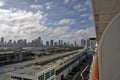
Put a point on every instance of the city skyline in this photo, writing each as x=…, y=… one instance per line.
x=70, y=20
x=39, y=42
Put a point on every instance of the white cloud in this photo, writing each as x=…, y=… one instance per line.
x=36, y=6
x=83, y=15
x=13, y=9
x=79, y=7
x=36, y=0
x=80, y=34
x=83, y=21
x=66, y=22
x=21, y=24
x=83, y=9
x=24, y=3
x=48, y=5
x=88, y=2
x=66, y=1
x=91, y=18
x=59, y=31
x=1, y=3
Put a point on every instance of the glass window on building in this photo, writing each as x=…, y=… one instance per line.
x=41, y=77
x=47, y=75
x=52, y=72
x=15, y=78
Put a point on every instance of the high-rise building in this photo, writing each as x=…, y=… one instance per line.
x=36, y=43
x=51, y=43
x=75, y=44
x=47, y=43
x=14, y=44
x=88, y=43
x=83, y=42
x=9, y=44
x=2, y=42
x=55, y=43
x=32, y=43
x=2, y=39
x=92, y=42
x=20, y=43
x=65, y=44
x=59, y=42
x=39, y=41
x=25, y=42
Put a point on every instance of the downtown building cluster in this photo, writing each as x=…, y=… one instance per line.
x=91, y=42
x=34, y=43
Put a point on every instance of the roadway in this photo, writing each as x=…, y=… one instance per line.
x=44, y=59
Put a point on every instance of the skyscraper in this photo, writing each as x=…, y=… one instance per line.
x=9, y=43
x=47, y=43
x=55, y=44
x=51, y=43
x=59, y=42
x=20, y=43
x=25, y=42
x=88, y=43
x=92, y=42
x=83, y=43
x=2, y=40
x=14, y=44
x=39, y=41
x=36, y=43
x=75, y=44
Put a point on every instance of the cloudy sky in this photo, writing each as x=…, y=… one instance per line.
x=70, y=20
